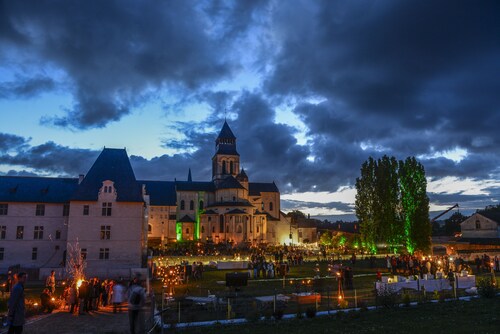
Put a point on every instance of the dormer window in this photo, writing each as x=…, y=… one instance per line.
x=108, y=188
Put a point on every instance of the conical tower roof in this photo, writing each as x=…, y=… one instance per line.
x=225, y=132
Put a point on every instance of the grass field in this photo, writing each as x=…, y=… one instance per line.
x=241, y=303
x=476, y=316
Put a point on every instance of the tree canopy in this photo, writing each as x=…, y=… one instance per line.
x=392, y=204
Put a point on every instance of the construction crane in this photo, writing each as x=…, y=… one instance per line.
x=444, y=212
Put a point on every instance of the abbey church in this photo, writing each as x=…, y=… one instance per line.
x=114, y=217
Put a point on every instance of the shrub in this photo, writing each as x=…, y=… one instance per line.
x=343, y=304
x=436, y=295
x=311, y=312
x=406, y=299
x=486, y=287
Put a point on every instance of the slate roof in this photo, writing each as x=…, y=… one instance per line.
x=225, y=132
x=36, y=189
x=114, y=165
x=271, y=218
x=230, y=183
x=242, y=176
x=241, y=203
x=186, y=219
x=161, y=193
x=195, y=186
x=255, y=188
x=236, y=211
x=307, y=223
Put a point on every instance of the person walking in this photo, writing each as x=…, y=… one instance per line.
x=72, y=298
x=117, y=296
x=136, y=300
x=50, y=283
x=16, y=305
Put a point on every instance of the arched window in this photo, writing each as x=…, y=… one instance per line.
x=478, y=224
x=183, y=205
x=191, y=205
x=213, y=229
x=150, y=228
x=227, y=229
x=203, y=229
x=270, y=206
x=239, y=229
x=224, y=167
x=234, y=199
x=187, y=231
x=231, y=166
x=257, y=229
x=262, y=206
x=201, y=205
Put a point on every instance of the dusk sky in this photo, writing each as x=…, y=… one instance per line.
x=311, y=89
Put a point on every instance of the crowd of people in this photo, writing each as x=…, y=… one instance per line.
x=92, y=294
x=79, y=297
x=413, y=265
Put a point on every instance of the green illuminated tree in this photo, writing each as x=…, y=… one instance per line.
x=365, y=204
x=414, y=205
x=326, y=238
x=387, y=219
x=392, y=204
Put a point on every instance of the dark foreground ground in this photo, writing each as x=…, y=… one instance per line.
x=476, y=316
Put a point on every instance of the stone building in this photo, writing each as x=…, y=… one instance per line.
x=229, y=208
x=114, y=218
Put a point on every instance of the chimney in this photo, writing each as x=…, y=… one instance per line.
x=80, y=178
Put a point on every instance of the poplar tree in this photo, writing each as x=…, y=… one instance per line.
x=387, y=202
x=365, y=204
x=392, y=204
x=414, y=205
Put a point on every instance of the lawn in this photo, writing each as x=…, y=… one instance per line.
x=240, y=303
x=476, y=316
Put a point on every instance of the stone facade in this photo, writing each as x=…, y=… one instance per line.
x=112, y=216
x=479, y=226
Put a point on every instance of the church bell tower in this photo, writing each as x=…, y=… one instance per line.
x=226, y=160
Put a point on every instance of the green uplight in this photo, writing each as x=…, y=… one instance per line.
x=178, y=231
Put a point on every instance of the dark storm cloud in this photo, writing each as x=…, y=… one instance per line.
x=402, y=78
x=116, y=53
x=52, y=158
x=290, y=205
x=24, y=88
x=397, y=78
x=19, y=173
x=11, y=142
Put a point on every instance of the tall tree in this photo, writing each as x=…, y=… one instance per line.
x=414, y=205
x=365, y=204
x=295, y=215
x=387, y=201
x=452, y=224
